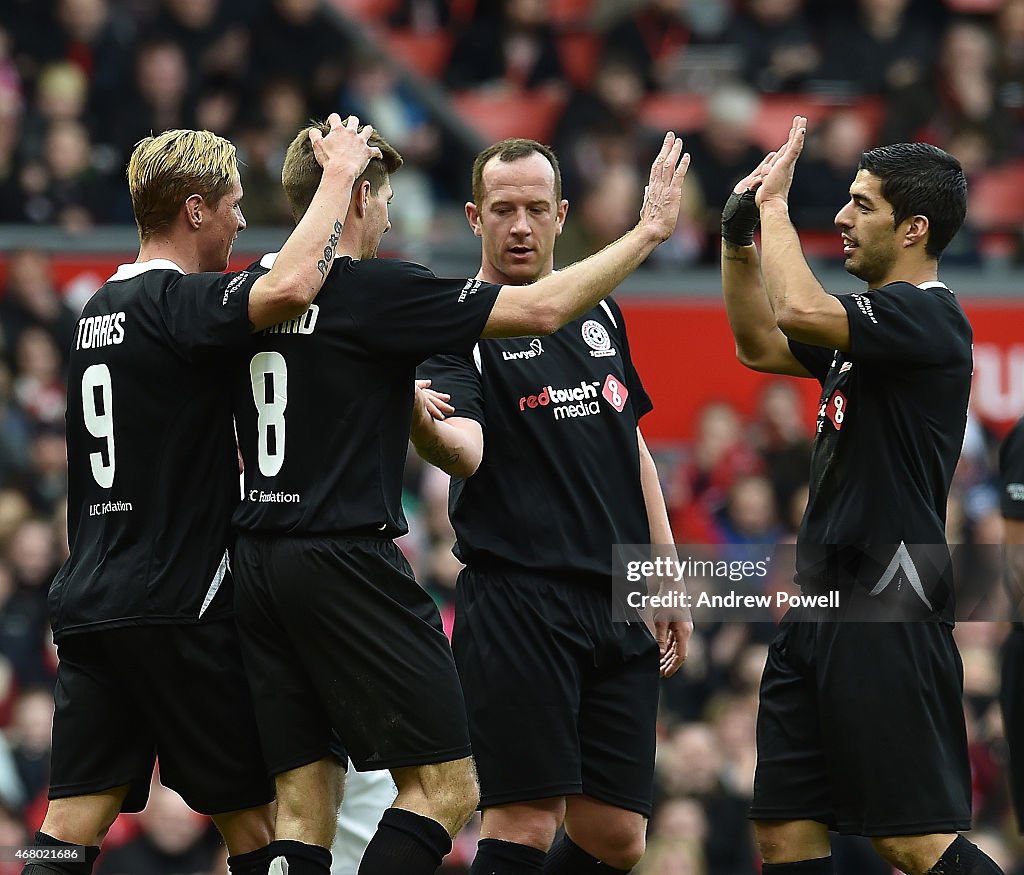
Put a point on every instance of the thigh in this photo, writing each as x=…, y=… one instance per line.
x=371, y=643
x=519, y=650
x=294, y=726
x=199, y=703
x=618, y=717
x=892, y=717
x=101, y=736
x=791, y=779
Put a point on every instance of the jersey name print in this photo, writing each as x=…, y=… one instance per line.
x=152, y=468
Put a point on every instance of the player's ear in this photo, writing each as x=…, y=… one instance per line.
x=194, y=204
x=361, y=199
x=917, y=231
x=563, y=211
x=473, y=217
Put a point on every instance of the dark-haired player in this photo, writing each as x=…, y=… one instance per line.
x=338, y=636
x=861, y=724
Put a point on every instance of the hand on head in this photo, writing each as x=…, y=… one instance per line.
x=346, y=147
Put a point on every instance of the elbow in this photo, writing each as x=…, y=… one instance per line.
x=463, y=468
x=792, y=320
x=750, y=358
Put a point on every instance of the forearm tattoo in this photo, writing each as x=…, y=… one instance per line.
x=435, y=452
x=732, y=252
x=324, y=264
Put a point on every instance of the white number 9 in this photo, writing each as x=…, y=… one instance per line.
x=100, y=425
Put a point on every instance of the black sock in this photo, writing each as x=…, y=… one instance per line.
x=568, y=858
x=252, y=863
x=965, y=858
x=302, y=859
x=495, y=857
x=817, y=866
x=57, y=867
x=405, y=843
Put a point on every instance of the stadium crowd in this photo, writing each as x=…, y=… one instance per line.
x=82, y=80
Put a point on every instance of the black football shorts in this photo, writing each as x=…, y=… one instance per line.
x=562, y=701
x=128, y=695
x=342, y=642
x=861, y=727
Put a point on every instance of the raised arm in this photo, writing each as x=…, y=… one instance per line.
x=803, y=309
x=760, y=343
x=304, y=261
x=546, y=305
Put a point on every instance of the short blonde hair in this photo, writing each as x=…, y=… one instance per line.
x=301, y=173
x=168, y=168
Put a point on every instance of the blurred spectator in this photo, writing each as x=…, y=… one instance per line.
x=1010, y=58
x=161, y=100
x=14, y=433
x=295, y=38
x=777, y=44
x=261, y=155
x=218, y=106
x=174, y=841
x=31, y=299
x=61, y=95
x=821, y=184
x=783, y=440
x=49, y=472
x=375, y=93
x=13, y=834
x=602, y=127
x=722, y=152
x=29, y=736
x=38, y=386
x=647, y=35
x=749, y=515
x=963, y=95
x=605, y=212
x=877, y=47
x=422, y=16
x=214, y=41
x=517, y=51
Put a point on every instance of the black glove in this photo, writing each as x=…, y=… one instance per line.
x=740, y=219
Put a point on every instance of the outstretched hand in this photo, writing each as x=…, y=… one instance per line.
x=429, y=406
x=346, y=147
x=776, y=182
x=664, y=193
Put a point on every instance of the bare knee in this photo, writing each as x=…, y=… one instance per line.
x=789, y=841
x=615, y=836
x=445, y=792
x=532, y=823
x=84, y=820
x=913, y=854
x=247, y=829
x=308, y=799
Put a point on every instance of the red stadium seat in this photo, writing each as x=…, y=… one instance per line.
x=995, y=201
x=530, y=114
x=570, y=12
x=682, y=113
x=775, y=117
x=368, y=10
x=427, y=53
x=580, y=53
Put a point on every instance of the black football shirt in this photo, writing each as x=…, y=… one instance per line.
x=323, y=404
x=152, y=467
x=1011, y=473
x=890, y=427
x=559, y=483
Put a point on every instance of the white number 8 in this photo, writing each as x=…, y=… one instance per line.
x=100, y=425
x=270, y=407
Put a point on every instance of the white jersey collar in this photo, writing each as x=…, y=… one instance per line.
x=933, y=284
x=268, y=260
x=130, y=271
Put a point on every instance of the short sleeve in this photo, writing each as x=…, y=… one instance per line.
x=642, y=403
x=1011, y=473
x=402, y=309
x=816, y=359
x=905, y=324
x=208, y=312
x=458, y=376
